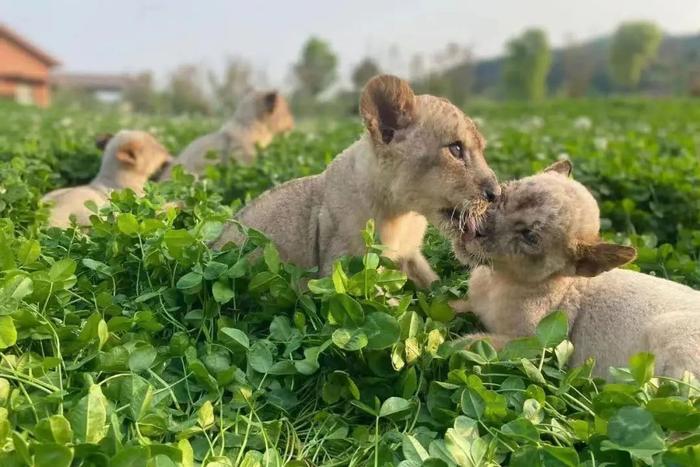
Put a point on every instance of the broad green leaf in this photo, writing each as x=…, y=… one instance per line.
x=674, y=414
x=260, y=357
x=127, y=224
x=350, y=339
x=62, y=270
x=222, y=292
x=134, y=456
x=190, y=281
x=234, y=339
x=521, y=428
x=552, y=329
x=413, y=450
x=52, y=455
x=272, y=258
x=8, y=332
x=642, y=367
x=88, y=418
x=395, y=407
x=205, y=415
x=142, y=358
x=29, y=251
x=633, y=429
x=54, y=429
x=382, y=330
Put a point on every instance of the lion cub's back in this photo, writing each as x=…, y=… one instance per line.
x=288, y=215
x=67, y=201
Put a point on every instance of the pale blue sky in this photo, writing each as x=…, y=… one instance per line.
x=133, y=35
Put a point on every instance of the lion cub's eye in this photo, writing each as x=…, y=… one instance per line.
x=456, y=150
x=529, y=236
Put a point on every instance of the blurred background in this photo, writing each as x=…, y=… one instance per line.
x=183, y=57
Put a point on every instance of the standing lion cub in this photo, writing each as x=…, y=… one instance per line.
x=259, y=117
x=540, y=251
x=130, y=158
x=420, y=160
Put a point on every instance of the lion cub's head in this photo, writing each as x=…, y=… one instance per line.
x=267, y=108
x=543, y=225
x=430, y=154
x=132, y=152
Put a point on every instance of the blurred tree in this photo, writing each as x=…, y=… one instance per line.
x=364, y=70
x=526, y=65
x=451, y=74
x=579, y=66
x=316, y=69
x=185, y=92
x=233, y=85
x=634, y=46
x=140, y=93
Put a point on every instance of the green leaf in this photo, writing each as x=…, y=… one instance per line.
x=633, y=429
x=19, y=287
x=473, y=405
x=222, y=292
x=29, y=251
x=642, y=367
x=345, y=310
x=134, y=456
x=97, y=266
x=350, y=339
x=261, y=281
x=382, y=330
x=532, y=371
x=339, y=278
x=8, y=332
x=62, y=270
x=88, y=418
x=205, y=415
x=260, y=357
x=521, y=428
x=214, y=270
x=142, y=358
x=52, y=455
x=556, y=456
x=189, y=281
x=553, y=329
x=441, y=311
x=674, y=414
x=127, y=224
x=395, y=408
x=176, y=241
x=55, y=429
x=272, y=258
x=412, y=449
x=234, y=339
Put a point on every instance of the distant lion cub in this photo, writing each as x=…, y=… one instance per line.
x=543, y=252
x=130, y=158
x=421, y=157
x=259, y=117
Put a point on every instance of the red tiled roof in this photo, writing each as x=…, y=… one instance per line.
x=12, y=36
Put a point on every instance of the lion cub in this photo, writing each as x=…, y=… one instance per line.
x=421, y=159
x=539, y=251
x=130, y=158
x=258, y=118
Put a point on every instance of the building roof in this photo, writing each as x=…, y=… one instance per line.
x=10, y=35
x=91, y=81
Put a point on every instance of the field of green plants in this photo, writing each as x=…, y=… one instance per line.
x=134, y=344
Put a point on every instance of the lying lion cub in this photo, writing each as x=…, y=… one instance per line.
x=542, y=246
x=258, y=118
x=130, y=158
x=421, y=157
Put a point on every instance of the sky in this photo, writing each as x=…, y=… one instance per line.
x=158, y=35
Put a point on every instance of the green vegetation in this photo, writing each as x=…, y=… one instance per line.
x=134, y=344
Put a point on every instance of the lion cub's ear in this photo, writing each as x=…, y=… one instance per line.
x=596, y=259
x=387, y=105
x=270, y=100
x=102, y=139
x=562, y=167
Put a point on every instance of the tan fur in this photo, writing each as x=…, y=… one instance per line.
x=613, y=313
x=399, y=173
x=259, y=117
x=130, y=158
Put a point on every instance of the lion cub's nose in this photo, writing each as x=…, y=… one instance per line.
x=491, y=192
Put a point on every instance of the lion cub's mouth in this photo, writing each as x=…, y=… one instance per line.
x=465, y=224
